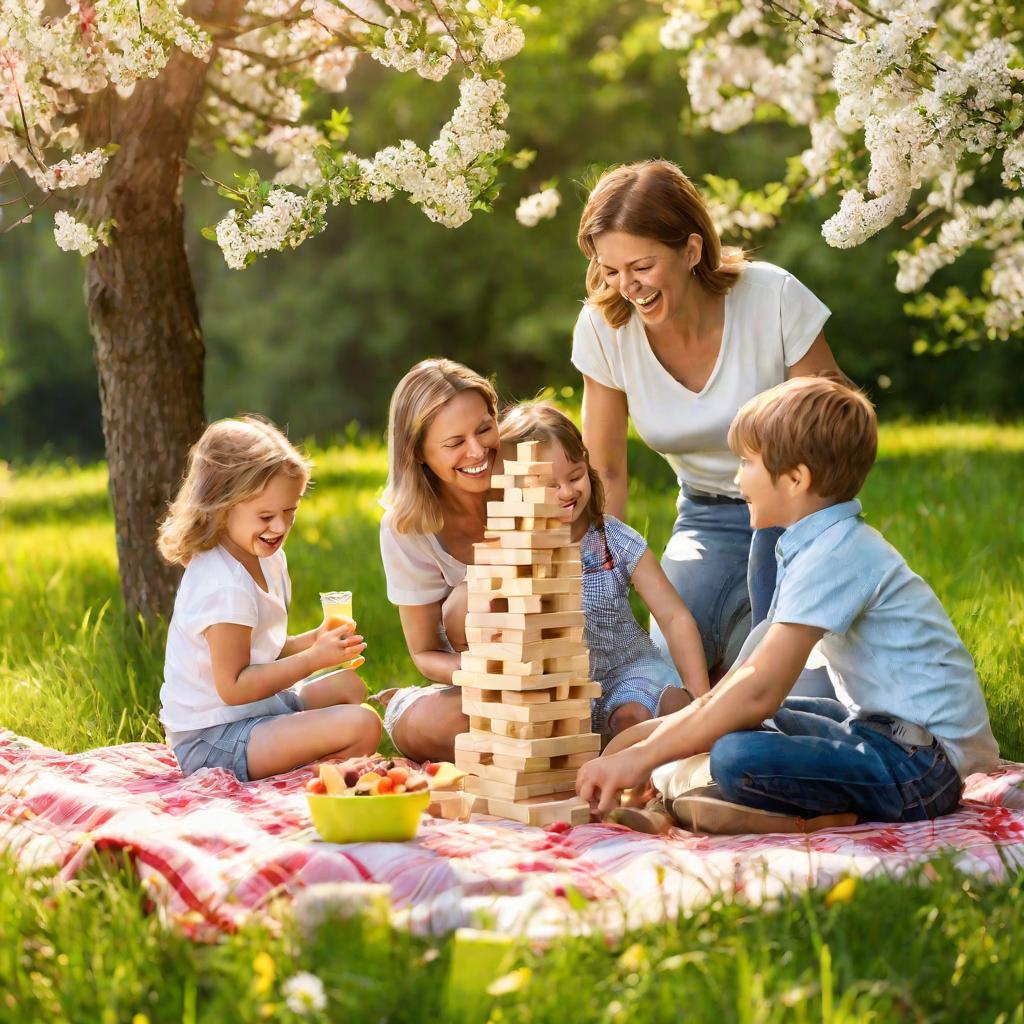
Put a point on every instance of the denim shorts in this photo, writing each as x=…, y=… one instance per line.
x=226, y=745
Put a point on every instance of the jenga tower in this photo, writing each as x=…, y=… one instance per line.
x=524, y=677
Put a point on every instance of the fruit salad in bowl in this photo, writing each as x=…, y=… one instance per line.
x=382, y=804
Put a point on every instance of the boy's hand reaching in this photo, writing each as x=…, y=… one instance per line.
x=600, y=781
x=334, y=646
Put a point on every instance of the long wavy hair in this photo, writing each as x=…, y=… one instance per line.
x=232, y=462
x=539, y=421
x=410, y=493
x=652, y=199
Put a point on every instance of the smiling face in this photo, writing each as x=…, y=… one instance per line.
x=573, y=484
x=257, y=527
x=461, y=443
x=770, y=501
x=652, y=277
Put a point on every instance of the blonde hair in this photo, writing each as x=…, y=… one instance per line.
x=232, y=462
x=652, y=199
x=539, y=421
x=821, y=422
x=410, y=494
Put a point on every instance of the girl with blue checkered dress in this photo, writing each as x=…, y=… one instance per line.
x=636, y=683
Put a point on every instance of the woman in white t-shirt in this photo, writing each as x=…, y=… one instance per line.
x=442, y=445
x=677, y=333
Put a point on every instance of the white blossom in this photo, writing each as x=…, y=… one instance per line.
x=537, y=207
x=502, y=39
x=76, y=171
x=858, y=219
x=74, y=236
x=304, y=993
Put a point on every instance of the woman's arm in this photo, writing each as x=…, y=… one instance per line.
x=817, y=358
x=676, y=622
x=421, y=624
x=605, y=422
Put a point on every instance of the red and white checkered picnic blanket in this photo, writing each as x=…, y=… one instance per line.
x=211, y=851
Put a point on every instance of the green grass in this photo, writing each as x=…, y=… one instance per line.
x=74, y=674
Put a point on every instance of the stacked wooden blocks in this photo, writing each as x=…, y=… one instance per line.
x=524, y=677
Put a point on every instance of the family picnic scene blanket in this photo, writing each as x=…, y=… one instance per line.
x=211, y=852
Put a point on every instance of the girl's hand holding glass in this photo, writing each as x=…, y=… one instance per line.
x=339, y=645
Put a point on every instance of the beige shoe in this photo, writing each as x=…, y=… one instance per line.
x=704, y=810
x=648, y=820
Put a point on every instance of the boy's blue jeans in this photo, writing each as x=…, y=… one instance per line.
x=814, y=758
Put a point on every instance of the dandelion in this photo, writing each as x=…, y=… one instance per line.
x=841, y=892
x=304, y=993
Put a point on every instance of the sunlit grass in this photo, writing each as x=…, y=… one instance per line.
x=75, y=674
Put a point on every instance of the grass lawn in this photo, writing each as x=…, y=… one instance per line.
x=74, y=675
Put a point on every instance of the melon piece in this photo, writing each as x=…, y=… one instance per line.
x=332, y=779
x=447, y=776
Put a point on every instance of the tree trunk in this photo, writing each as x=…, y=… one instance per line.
x=144, y=318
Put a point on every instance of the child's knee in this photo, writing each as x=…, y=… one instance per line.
x=368, y=730
x=627, y=715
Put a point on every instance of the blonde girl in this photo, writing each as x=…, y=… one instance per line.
x=229, y=697
x=636, y=683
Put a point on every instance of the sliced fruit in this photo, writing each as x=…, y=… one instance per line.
x=367, y=782
x=333, y=780
x=446, y=776
x=384, y=785
x=316, y=785
x=398, y=776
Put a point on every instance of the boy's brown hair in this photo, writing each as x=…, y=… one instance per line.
x=539, y=421
x=821, y=422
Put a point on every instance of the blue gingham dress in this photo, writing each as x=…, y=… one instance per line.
x=623, y=658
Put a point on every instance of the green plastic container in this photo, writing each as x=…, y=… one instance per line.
x=368, y=819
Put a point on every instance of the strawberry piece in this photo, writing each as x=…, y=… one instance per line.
x=316, y=785
x=431, y=767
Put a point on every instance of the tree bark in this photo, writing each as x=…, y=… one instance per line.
x=144, y=318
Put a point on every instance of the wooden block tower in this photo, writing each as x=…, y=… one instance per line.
x=524, y=677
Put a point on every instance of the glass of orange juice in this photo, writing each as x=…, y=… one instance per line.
x=337, y=606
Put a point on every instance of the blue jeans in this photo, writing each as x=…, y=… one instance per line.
x=815, y=758
x=721, y=569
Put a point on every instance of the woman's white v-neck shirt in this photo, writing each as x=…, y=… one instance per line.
x=771, y=320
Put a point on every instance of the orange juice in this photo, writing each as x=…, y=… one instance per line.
x=337, y=606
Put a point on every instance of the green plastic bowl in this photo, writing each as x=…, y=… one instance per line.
x=368, y=819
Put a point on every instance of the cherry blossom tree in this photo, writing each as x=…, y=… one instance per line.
x=914, y=110
x=105, y=105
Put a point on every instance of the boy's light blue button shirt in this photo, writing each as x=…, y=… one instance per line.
x=889, y=644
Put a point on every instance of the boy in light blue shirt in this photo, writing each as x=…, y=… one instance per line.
x=910, y=721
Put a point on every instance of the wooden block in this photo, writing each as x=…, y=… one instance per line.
x=527, y=451
x=581, y=691
x=503, y=635
x=561, y=762
x=501, y=727
x=515, y=777
x=574, y=663
x=525, y=586
x=487, y=681
x=560, y=570
x=539, y=811
x=545, y=495
x=509, y=791
x=538, y=650
x=526, y=623
x=526, y=696
x=496, y=523
x=549, y=711
x=498, y=573
x=535, y=539
x=491, y=553
x=504, y=509
x=473, y=761
x=531, y=468
x=553, y=747
x=495, y=602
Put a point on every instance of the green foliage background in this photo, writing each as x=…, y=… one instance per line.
x=317, y=338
